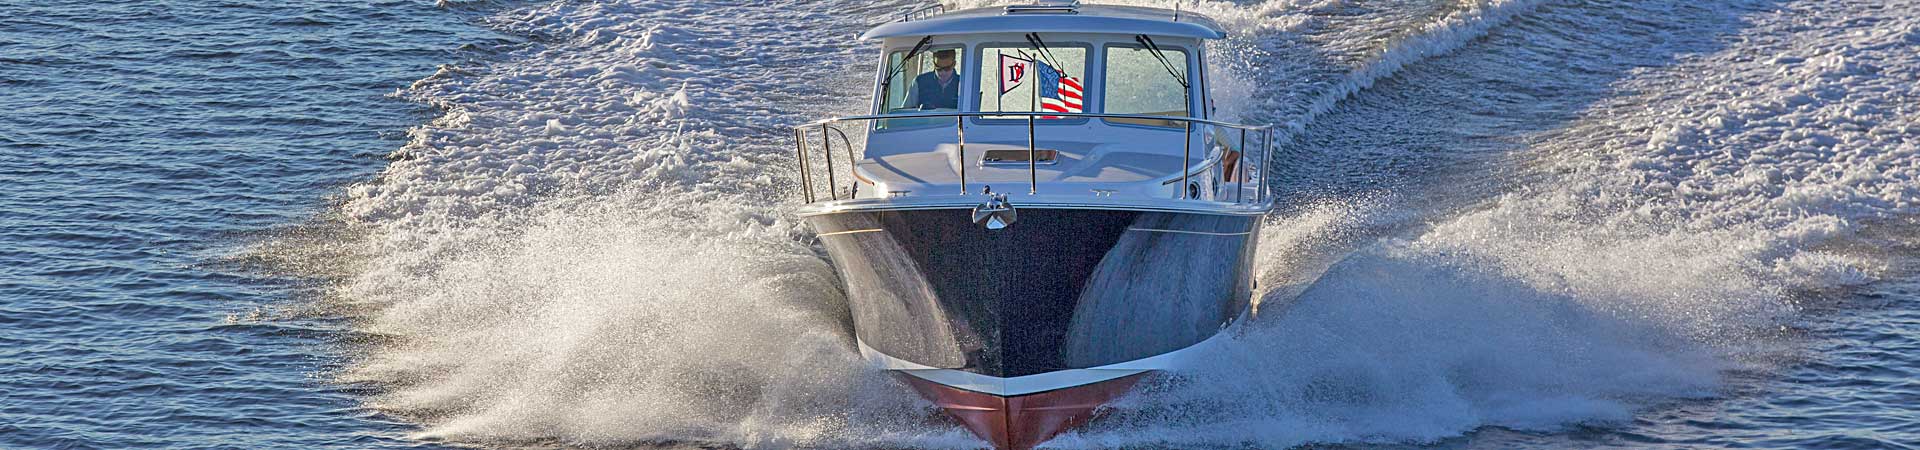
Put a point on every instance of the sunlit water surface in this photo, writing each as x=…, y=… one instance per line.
x=392, y=224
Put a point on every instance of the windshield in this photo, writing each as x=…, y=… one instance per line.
x=1011, y=75
x=929, y=81
x=1138, y=83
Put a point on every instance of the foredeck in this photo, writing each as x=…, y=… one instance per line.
x=1200, y=164
x=1074, y=162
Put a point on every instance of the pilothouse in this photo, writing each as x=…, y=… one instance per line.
x=1040, y=210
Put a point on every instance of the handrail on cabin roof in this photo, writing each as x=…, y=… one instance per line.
x=1046, y=18
x=922, y=12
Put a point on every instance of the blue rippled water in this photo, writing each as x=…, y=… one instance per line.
x=216, y=230
x=140, y=143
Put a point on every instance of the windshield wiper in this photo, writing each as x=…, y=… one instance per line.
x=1185, y=87
x=1040, y=48
x=1164, y=62
x=902, y=66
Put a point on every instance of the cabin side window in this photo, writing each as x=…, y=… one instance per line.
x=1140, y=82
x=1022, y=79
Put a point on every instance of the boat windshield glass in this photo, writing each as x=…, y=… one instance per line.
x=1139, y=83
x=927, y=82
x=1010, y=74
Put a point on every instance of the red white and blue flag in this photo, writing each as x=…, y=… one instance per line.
x=1013, y=70
x=1058, y=92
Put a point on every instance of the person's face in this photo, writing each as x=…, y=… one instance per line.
x=943, y=63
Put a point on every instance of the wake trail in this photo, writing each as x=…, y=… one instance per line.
x=592, y=245
x=1664, y=233
x=1434, y=38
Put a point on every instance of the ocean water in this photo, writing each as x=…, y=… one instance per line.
x=142, y=144
x=1509, y=224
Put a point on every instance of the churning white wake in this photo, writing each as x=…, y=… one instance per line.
x=592, y=245
x=1676, y=228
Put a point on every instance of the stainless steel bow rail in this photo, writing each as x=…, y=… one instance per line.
x=828, y=129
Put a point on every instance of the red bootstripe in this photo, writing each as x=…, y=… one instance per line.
x=1024, y=421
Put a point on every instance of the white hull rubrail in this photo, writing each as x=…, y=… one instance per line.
x=1040, y=212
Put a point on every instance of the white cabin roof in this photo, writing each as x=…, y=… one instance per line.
x=1084, y=19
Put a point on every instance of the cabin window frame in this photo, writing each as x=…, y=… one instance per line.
x=880, y=99
x=1089, y=104
x=1196, y=77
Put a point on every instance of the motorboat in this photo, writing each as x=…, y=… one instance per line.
x=1040, y=211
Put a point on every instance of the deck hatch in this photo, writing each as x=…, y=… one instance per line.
x=1018, y=157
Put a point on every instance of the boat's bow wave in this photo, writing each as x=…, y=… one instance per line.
x=1654, y=242
x=589, y=248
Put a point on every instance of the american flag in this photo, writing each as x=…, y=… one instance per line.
x=1058, y=92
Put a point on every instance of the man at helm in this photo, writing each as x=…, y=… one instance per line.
x=938, y=89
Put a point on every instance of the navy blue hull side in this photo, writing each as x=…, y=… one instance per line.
x=1059, y=289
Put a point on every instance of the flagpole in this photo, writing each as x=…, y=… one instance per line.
x=1033, y=109
x=1033, y=102
x=1000, y=99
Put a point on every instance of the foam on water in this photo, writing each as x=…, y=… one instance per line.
x=602, y=328
x=1672, y=233
x=592, y=245
x=1441, y=35
x=587, y=247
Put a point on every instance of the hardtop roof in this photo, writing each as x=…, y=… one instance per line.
x=1110, y=19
